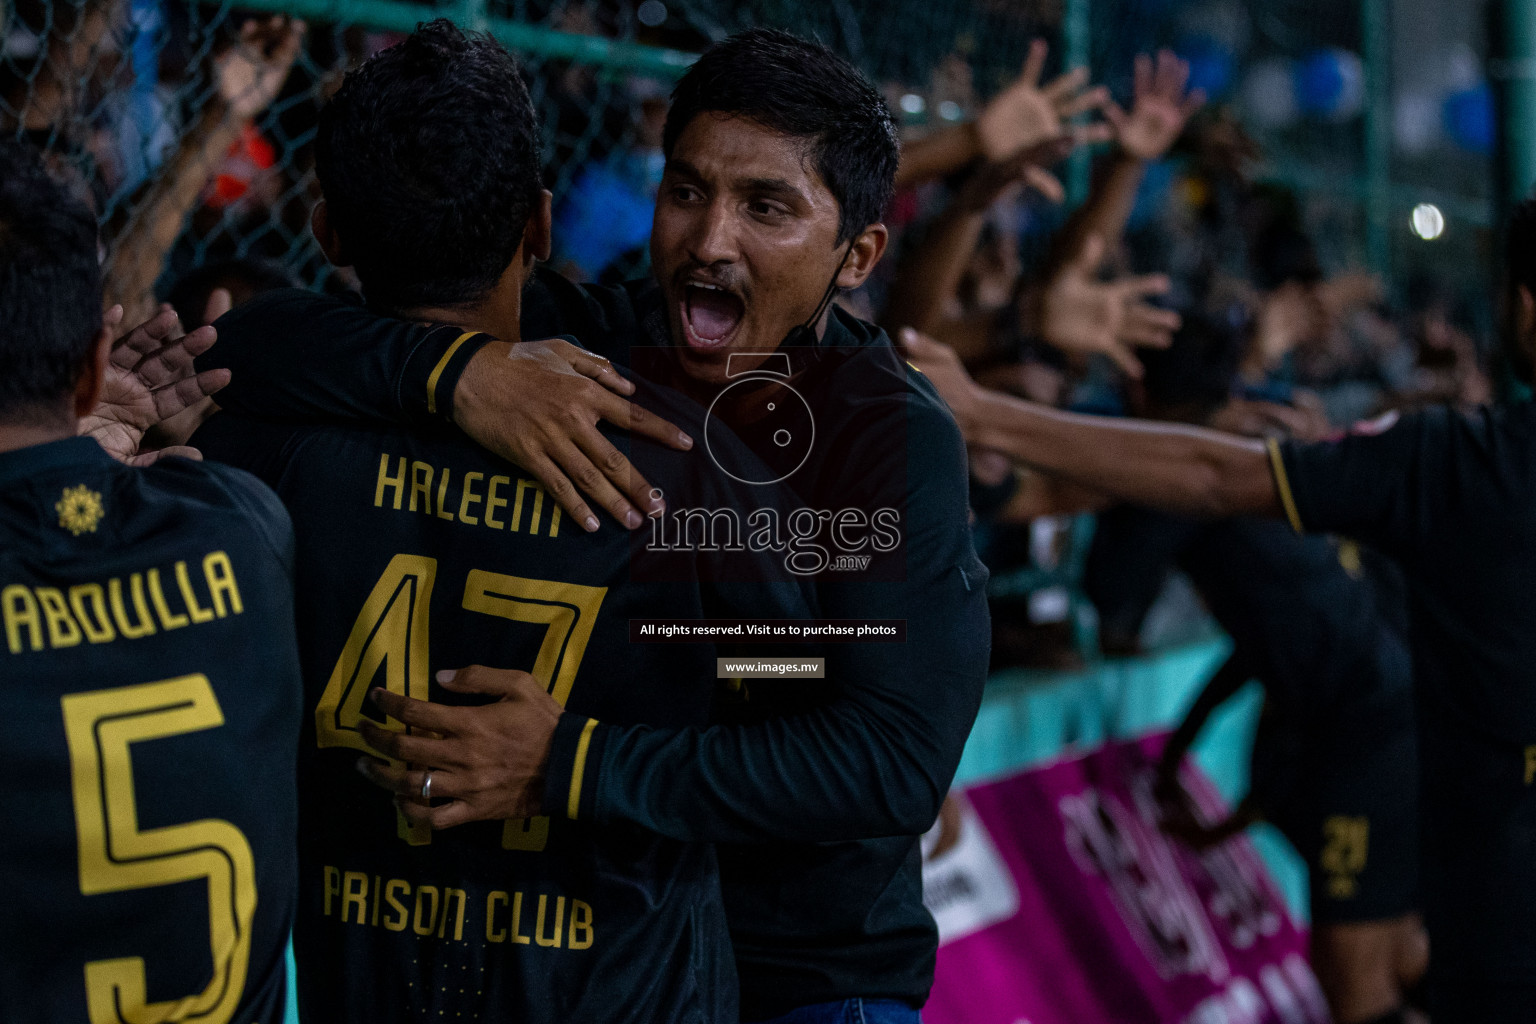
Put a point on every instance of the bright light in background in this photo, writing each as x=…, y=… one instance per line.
x=912, y=103
x=949, y=110
x=1428, y=221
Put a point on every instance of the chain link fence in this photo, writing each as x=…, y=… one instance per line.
x=1366, y=113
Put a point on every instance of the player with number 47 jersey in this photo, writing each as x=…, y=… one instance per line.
x=420, y=552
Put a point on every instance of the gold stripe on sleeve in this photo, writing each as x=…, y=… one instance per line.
x=581, y=767
x=442, y=364
x=1283, y=485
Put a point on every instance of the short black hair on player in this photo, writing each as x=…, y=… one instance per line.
x=428, y=157
x=50, y=286
x=801, y=89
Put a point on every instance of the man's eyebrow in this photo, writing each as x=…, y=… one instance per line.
x=772, y=186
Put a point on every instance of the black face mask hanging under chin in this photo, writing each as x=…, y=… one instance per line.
x=804, y=336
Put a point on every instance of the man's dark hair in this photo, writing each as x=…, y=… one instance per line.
x=428, y=156
x=801, y=89
x=50, y=286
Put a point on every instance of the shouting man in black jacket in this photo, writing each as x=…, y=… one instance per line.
x=780, y=159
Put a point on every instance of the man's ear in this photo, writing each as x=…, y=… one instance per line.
x=538, y=234
x=866, y=252
x=93, y=374
x=330, y=242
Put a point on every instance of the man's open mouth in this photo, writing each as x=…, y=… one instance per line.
x=711, y=315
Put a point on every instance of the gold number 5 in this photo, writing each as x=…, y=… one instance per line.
x=115, y=854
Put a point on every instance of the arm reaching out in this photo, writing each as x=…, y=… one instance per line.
x=551, y=429
x=535, y=403
x=248, y=75
x=929, y=278
x=1187, y=470
x=1159, y=111
x=874, y=759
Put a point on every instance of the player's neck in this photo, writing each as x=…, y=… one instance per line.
x=497, y=314
x=15, y=436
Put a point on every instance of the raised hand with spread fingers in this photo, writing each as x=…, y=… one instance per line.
x=1160, y=107
x=1024, y=115
x=1027, y=114
x=149, y=379
x=1078, y=313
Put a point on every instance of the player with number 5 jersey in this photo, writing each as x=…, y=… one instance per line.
x=149, y=670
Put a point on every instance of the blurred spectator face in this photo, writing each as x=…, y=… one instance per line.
x=1304, y=305
x=1288, y=318
x=744, y=243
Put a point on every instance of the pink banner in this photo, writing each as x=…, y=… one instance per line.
x=1061, y=902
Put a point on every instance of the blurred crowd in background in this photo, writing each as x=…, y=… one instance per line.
x=1171, y=268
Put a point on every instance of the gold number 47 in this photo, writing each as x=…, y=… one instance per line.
x=391, y=632
x=116, y=855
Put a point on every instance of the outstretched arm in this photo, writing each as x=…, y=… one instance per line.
x=248, y=76
x=1159, y=111
x=536, y=403
x=1188, y=470
x=874, y=760
x=928, y=279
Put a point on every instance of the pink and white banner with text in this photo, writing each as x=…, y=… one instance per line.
x=1061, y=901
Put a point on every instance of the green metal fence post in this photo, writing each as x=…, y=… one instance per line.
x=472, y=15
x=1516, y=71
x=1075, y=53
x=533, y=39
x=1376, y=32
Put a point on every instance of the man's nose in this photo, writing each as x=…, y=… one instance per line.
x=714, y=236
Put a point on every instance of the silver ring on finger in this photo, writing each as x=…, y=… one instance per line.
x=426, y=785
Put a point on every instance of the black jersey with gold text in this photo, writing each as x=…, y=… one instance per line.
x=822, y=797
x=419, y=552
x=151, y=684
